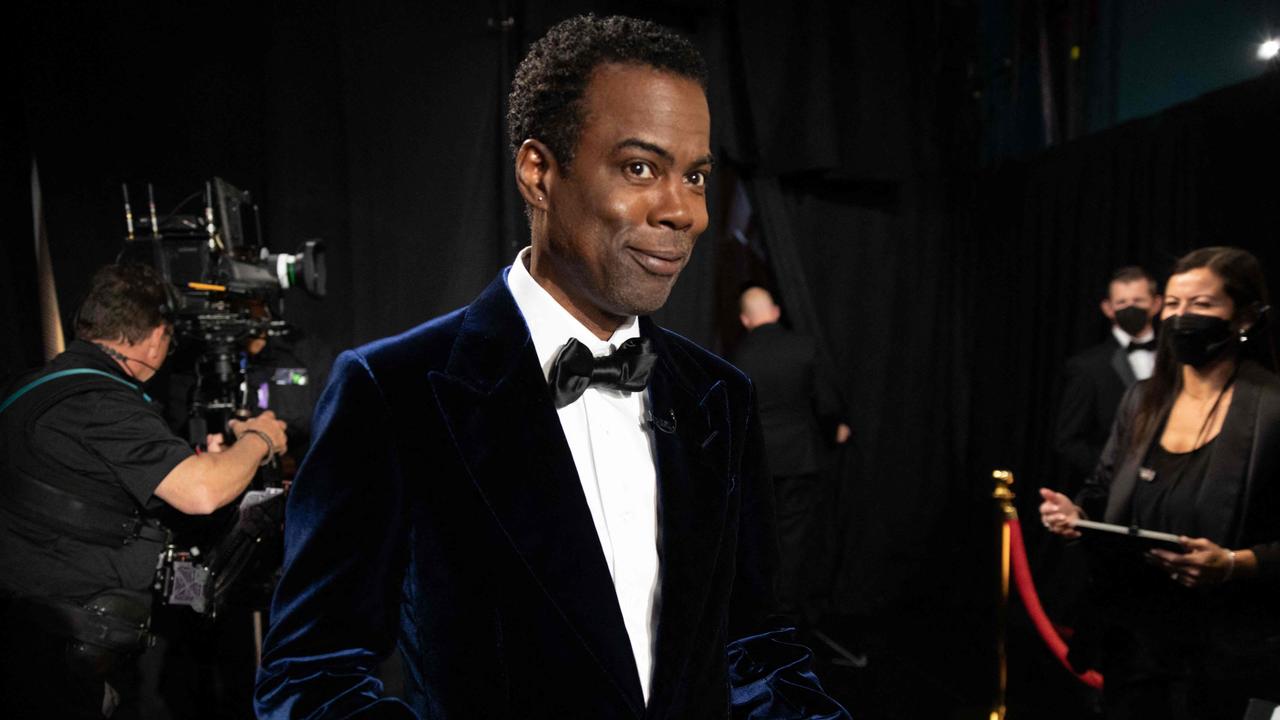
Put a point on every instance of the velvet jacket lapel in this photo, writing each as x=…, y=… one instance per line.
x=496, y=403
x=1229, y=474
x=693, y=442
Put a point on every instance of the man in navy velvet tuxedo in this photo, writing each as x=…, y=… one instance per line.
x=556, y=508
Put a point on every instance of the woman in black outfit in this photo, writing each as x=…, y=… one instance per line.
x=1194, y=451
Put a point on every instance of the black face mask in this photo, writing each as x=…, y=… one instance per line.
x=1198, y=340
x=1131, y=319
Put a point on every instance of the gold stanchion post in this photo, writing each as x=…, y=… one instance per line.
x=1003, y=495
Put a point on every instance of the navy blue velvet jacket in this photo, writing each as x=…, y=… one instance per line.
x=439, y=507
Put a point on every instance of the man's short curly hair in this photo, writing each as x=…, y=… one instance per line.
x=546, y=94
x=124, y=304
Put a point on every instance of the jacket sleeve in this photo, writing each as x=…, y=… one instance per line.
x=1092, y=497
x=1071, y=427
x=1260, y=524
x=827, y=401
x=336, y=610
x=770, y=674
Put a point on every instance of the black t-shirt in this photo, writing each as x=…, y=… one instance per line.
x=116, y=442
x=1168, y=501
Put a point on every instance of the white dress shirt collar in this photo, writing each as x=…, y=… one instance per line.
x=550, y=324
x=1125, y=338
x=1142, y=362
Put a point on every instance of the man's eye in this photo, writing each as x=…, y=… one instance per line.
x=640, y=170
x=696, y=178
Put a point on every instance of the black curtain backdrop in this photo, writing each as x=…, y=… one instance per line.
x=20, y=329
x=947, y=298
x=855, y=145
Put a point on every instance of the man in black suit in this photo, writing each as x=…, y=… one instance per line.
x=800, y=410
x=553, y=506
x=1097, y=378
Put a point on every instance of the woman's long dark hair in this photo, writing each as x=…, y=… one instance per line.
x=1246, y=285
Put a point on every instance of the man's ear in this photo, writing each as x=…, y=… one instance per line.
x=1156, y=306
x=535, y=173
x=151, y=345
x=1107, y=309
x=746, y=321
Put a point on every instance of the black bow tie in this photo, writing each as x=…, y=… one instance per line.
x=1135, y=345
x=575, y=369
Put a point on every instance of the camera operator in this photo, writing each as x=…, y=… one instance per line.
x=87, y=463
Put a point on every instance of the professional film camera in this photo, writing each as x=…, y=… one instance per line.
x=226, y=301
x=228, y=288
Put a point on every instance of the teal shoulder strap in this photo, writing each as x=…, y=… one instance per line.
x=63, y=373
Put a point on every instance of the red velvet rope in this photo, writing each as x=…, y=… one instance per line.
x=1031, y=601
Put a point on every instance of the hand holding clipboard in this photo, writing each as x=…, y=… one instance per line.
x=1192, y=562
x=1134, y=538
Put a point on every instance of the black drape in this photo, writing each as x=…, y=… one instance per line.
x=848, y=142
x=20, y=330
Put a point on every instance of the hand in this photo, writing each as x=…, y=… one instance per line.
x=842, y=434
x=214, y=443
x=1204, y=562
x=1059, y=514
x=266, y=423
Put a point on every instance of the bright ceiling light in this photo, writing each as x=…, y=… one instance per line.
x=1269, y=49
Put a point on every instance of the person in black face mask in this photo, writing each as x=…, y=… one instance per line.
x=1195, y=451
x=1095, y=379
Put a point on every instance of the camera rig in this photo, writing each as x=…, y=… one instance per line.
x=226, y=293
x=227, y=289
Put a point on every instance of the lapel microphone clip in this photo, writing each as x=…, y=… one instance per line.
x=663, y=424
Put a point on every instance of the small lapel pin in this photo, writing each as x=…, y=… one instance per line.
x=1147, y=474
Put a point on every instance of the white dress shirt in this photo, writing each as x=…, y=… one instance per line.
x=612, y=448
x=1143, y=362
